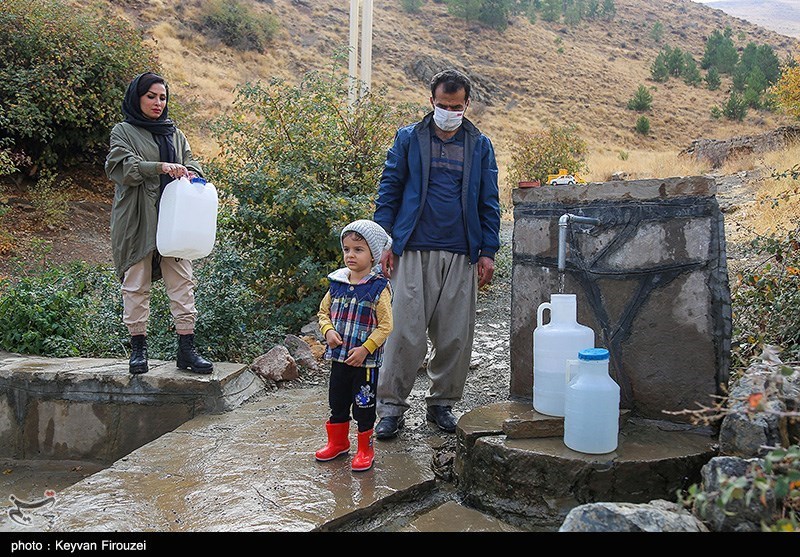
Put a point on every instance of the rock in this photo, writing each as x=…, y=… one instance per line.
x=276, y=365
x=301, y=352
x=740, y=513
x=657, y=516
x=316, y=347
x=532, y=424
x=312, y=330
x=747, y=431
x=718, y=151
x=619, y=175
x=484, y=90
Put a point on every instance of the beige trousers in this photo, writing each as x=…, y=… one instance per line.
x=435, y=296
x=180, y=284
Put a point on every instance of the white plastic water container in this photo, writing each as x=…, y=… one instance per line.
x=187, y=219
x=591, y=404
x=554, y=343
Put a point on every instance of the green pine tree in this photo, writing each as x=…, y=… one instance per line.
x=641, y=100
x=643, y=125
x=712, y=79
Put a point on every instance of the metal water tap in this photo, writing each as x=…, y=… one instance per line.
x=563, y=222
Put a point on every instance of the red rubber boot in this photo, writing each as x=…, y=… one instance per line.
x=338, y=442
x=366, y=453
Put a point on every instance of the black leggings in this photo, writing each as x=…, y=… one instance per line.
x=353, y=388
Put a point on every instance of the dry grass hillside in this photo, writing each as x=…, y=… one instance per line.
x=536, y=74
x=541, y=73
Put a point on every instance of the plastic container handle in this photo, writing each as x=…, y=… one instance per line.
x=540, y=312
x=568, y=370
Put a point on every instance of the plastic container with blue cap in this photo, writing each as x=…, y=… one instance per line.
x=591, y=404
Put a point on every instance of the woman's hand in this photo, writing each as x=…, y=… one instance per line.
x=174, y=169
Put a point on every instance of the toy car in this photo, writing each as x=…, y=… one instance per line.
x=565, y=180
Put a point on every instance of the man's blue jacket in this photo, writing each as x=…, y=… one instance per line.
x=404, y=185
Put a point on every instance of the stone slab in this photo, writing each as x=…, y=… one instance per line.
x=94, y=410
x=537, y=481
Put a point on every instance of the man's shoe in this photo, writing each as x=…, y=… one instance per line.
x=389, y=426
x=443, y=417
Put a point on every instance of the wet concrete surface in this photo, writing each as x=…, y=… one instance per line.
x=253, y=470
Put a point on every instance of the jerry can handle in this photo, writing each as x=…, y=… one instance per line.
x=540, y=312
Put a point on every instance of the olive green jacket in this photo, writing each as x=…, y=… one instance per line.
x=133, y=165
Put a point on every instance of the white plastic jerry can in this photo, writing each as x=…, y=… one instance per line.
x=187, y=219
x=554, y=343
x=591, y=404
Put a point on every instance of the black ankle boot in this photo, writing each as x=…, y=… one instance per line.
x=188, y=358
x=138, y=361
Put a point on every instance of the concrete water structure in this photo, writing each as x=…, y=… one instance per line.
x=648, y=268
x=651, y=280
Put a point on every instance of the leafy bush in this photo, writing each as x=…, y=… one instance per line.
x=641, y=100
x=76, y=310
x=232, y=320
x=766, y=298
x=299, y=163
x=643, y=125
x=537, y=153
x=7, y=165
x=776, y=476
x=63, y=72
x=787, y=90
x=238, y=26
x=61, y=312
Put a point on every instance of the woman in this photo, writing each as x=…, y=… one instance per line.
x=147, y=152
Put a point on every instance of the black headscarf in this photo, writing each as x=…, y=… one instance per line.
x=162, y=129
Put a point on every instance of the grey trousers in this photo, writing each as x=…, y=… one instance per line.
x=435, y=296
x=180, y=284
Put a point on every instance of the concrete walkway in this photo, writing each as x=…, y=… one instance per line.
x=245, y=469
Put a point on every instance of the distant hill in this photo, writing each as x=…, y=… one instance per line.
x=782, y=16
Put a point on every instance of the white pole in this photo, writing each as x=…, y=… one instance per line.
x=353, y=59
x=366, y=47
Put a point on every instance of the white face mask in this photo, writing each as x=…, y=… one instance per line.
x=447, y=120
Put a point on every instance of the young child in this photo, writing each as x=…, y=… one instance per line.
x=355, y=317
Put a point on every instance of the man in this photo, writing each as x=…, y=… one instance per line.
x=438, y=198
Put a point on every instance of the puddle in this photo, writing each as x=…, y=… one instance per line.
x=31, y=482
